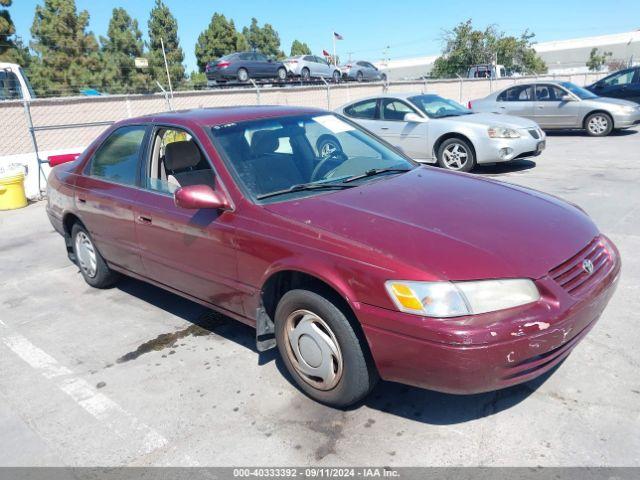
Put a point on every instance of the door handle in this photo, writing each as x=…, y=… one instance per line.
x=82, y=200
x=143, y=219
x=384, y=128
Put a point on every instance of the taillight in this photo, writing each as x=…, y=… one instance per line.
x=469, y=105
x=222, y=64
x=207, y=68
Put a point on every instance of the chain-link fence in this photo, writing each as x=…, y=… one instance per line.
x=31, y=132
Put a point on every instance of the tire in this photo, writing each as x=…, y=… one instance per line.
x=336, y=76
x=305, y=74
x=359, y=77
x=464, y=159
x=91, y=264
x=327, y=144
x=282, y=74
x=310, y=328
x=598, y=124
x=243, y=75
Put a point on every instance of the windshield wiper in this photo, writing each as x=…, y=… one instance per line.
x=376, y=171
x=303, y=186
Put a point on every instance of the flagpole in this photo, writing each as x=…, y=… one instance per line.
x=335, y=63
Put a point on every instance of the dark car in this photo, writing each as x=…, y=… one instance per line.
x=624, y=84
x=243, y=66
x=358, y=264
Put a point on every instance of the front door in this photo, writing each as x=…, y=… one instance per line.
x=410, y=137
x=106, y=193
x=619, y=85
x=191, y=251
x=550, y=111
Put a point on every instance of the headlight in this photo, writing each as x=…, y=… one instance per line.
x=628, y=108
x=503, y=132
x=454, y=299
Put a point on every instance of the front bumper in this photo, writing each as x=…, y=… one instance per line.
x=492, y=150
x=487, y=352
x=626, y=120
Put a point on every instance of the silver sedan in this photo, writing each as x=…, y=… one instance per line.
x=307, y=67
x=432, y=129
x=560, y=105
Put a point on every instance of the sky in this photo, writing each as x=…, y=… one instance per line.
x=409, y=27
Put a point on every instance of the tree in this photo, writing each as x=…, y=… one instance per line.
x=299, y=48
x=219, y=38
x=163, y=25
x=596, y=61
x=465, y=46
x=67, y=55
x=12, y=50
x=264, y=39
x=119, y=51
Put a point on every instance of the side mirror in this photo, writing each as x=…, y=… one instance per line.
x=195, y=197
x=413, y=118
x=567, y=98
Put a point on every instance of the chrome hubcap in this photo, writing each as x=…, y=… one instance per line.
x=598, y=124
x=242, y=76
x=313, y=349
x=455, y=156
x=86, y=254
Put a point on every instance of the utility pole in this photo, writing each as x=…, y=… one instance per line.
x=166, y=66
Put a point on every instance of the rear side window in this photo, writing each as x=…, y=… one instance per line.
x=366, y=109
x=521, y=93
x=9, y=86
x=117, y=158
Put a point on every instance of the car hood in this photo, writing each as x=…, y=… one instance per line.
x=448, y=225
x=495, y=120
x=611, y=101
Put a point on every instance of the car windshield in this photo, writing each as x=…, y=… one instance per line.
x=294, y=156
x=580, y=92
x=435, y=106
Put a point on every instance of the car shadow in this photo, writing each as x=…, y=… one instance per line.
x=405, y=401
x=502, y=168
x=582, y=133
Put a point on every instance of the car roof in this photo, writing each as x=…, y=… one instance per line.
x=403, y=96
x=219, y=115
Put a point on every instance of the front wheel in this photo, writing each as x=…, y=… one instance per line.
x=359, y=77
x=93, y=268
x=456, y=154
x=321, y=349
x=599, y=124
x=305, y=74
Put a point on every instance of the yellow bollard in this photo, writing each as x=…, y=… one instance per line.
x=12, y=192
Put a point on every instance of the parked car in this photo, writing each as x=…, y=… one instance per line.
x=432, y=129
x=561, y=105
x=306, y=67
x=14, y=84
x=623, y=84
x=488, y=70
x=362, y=71
x=243, y=66
x=359, y=264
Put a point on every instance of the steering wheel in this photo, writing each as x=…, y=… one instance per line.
x=332, y=160
x=440, y=111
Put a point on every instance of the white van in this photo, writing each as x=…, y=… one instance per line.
x=14, y=84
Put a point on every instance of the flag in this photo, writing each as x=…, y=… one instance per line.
x=325, y=53
x=337, y=36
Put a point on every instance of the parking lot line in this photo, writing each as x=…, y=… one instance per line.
x=98, y=405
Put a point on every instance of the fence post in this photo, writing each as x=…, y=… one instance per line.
x=34, y=141
x=128, y=106
x=459, y=88
x=255, y=85
x=328, y=93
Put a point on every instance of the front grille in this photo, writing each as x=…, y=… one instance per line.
x=572, y=275
x=534, y=133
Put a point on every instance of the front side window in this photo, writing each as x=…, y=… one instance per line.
x=435, y=106
x=365, y=110
x=393, y=109
x=549, y=93
x=260, y=57
x=303, y=155
x=176, y=161
x=580, y=92
x=117, y=158
x=621, y=78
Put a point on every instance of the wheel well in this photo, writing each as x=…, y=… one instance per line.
x=68, y=221
x=584, y=122
x=447, y=136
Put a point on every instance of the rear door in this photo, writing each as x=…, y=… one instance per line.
x=550, y=111
x=410, y=137
x=365, y=113
x=188, y=250
x=107, y=192
x=518, y=101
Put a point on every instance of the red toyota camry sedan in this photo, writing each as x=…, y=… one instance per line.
x=356, y=262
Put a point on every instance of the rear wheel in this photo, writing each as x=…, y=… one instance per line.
x=599, y=124
x=456, y=154
x=336, y=76
x=305, y=74
x=243, y=75
x=282, y=74
x=321, y=349
x=92, y=266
